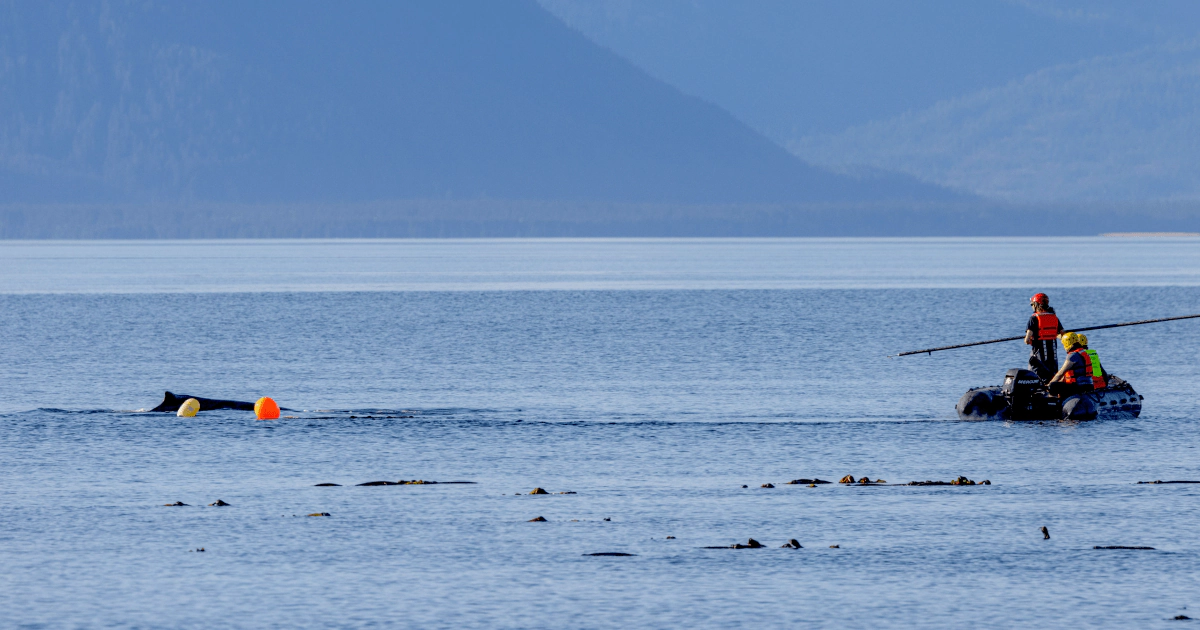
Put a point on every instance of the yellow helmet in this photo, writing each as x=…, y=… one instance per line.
x=1082, y=339
x=1070, y=340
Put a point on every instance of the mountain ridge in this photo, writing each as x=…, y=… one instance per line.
x=274, y=102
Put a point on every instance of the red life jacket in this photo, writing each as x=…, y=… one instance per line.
x=1083, y=375
x=1047, y=326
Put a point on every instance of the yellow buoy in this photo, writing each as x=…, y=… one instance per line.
x=189, y=408
x=266, y=409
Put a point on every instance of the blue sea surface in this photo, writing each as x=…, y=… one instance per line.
x=652, y=379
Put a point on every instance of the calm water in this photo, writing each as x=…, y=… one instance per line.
x=652, y=378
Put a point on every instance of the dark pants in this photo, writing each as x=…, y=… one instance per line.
x=1043, y=359
x=1066, y=390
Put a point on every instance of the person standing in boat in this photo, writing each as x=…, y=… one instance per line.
x=1041, y=332
x=1075, y=376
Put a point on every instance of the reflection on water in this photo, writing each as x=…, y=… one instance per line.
x=517, y=264
x=734, y=363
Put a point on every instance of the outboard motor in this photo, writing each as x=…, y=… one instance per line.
x=1027, y=396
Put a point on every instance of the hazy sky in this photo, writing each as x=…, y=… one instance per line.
x=794, y=68
x=1021, y=100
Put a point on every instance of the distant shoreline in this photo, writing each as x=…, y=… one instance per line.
x=1148, y=234
x=501, y=218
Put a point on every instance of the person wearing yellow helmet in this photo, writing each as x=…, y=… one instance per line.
x=1099, y=376
x=1041, y=331
x=1075, y=375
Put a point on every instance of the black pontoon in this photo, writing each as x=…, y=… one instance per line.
x=1023, y=396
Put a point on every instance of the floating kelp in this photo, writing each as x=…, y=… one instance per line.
x=866, y=481
x=960, y=481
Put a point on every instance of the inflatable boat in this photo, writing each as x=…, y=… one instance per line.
x=1023, y=396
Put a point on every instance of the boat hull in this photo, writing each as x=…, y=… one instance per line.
x=1117, y=401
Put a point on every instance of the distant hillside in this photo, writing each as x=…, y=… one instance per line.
x=160, y=103
x=1113, y=128
x=1033, y=102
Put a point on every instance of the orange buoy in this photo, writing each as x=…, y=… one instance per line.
x=266, y=409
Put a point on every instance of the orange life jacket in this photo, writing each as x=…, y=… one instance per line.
x=1081, y=376
x=1047, y=326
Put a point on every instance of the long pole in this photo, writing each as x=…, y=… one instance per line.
x=981, y=343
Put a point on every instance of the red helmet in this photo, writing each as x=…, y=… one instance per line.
x=1040, y=298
